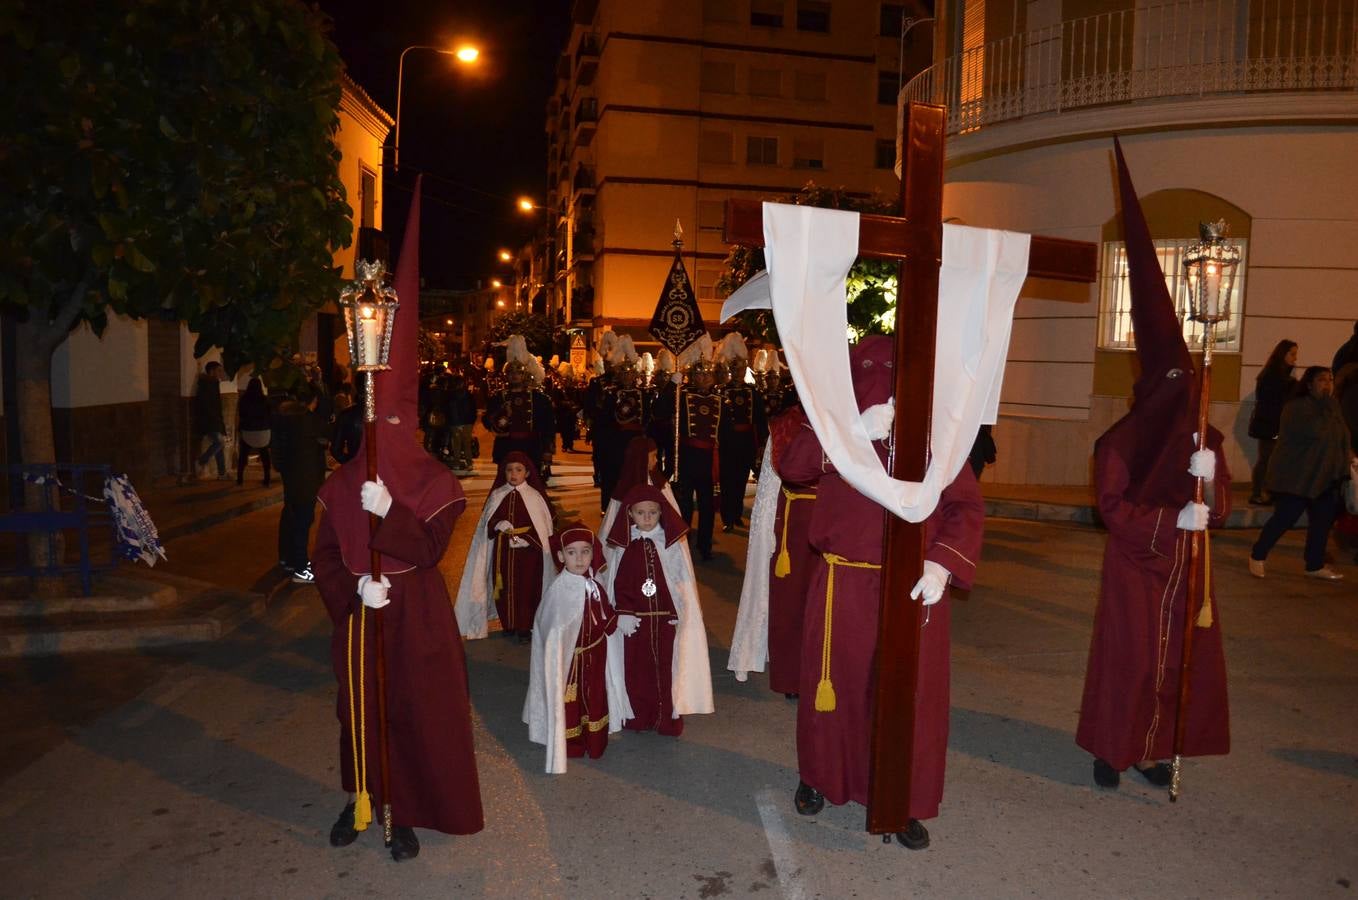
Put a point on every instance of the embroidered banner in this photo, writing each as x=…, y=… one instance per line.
x=678, y=321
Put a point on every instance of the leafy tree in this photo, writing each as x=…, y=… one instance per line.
x=871, y=283
x=165, y=158
x=538, y=332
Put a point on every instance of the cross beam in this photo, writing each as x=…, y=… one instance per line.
x=915, y=239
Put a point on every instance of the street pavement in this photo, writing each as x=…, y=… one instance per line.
x=211, y=771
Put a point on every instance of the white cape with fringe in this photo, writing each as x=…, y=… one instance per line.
x=750, y=641
x=473, y=606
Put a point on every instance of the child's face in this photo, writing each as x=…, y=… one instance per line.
x=645, y=514
x=576, y=556
x=516, y=473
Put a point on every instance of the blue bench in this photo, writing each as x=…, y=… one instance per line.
x=70, y=503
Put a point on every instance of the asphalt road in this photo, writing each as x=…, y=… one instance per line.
x=211, y=772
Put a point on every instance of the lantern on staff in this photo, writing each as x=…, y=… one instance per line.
x=369, y=315
x=1209, y=276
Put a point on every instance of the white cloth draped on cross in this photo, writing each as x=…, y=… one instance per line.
x=809, y=252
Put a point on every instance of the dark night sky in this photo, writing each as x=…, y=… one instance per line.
x=476, y=133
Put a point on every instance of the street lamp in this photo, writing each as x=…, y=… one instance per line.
x=465, y=54
x=505, y=256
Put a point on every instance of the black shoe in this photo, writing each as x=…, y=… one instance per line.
x=343, y=833
x=525, y=637
x=727, y=529
x=1158, y=775
x=1260, y=501
x=808, y=800
x=1105, y=775
x=792, y=696
x=915, y=836
x=404, y=844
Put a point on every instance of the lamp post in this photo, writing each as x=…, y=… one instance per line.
x=465, y=54
x=369, y=314
x=1209, y=278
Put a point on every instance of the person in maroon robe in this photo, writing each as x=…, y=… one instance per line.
x=586, y=697
x=433, y=767
x=839, y=641
x=791, y=564
x=1144, y=469
x=647, y=611
x=517, y=556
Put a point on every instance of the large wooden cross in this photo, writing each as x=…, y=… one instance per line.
x=915, y=239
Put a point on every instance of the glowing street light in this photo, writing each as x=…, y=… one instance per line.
x=496, y=283
x=466, y=54
x=526, y=205
x=505, y=256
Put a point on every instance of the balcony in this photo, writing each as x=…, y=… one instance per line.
x=587, y=59
x=585, y=120
x=582, y=242
x=1185, y=62
x=583, y=182
x=582, y=304
x=563, y=66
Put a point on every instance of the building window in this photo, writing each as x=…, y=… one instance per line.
x=813, y=15
x=720, y=11
x=808, y=153
x=893, y=17
x=714, y=147
x=886, y=153
x=707, y=285
x=711, y=215
x=888, y=85
x=761, y=151
x=810, y=86
x=719, y=77
x=766, y=83
x=367, y=197
x=766, y=13
x=1115, y=297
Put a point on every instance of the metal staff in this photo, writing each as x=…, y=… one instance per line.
x=1210, y=268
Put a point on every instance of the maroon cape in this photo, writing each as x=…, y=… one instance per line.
x=518, y=570
x=833, y=747
x=433, y=768
x=1131, y=692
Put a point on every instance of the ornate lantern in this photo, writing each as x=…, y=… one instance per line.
x=1209, y=270
x=369, y=315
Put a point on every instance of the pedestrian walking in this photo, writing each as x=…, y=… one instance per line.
x=300, y=436
x=1347, y=353
x=208, y=422
x=1306, y=473
x=1272, y=387
x=254, y=429
x=461, y=421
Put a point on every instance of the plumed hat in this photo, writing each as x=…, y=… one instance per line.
x=697, y=355
x=732, y=349
x=664, y=361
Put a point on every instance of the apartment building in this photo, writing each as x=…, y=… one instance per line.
x=666, y=108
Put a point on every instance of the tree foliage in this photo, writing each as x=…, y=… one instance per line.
x=174, y=158
x=871, y=283
x=537, y=330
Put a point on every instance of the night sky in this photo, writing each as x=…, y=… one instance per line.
x=476, y=133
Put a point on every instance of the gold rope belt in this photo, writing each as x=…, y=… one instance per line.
x=783, y=567
x=825, y=691
x=590, y=646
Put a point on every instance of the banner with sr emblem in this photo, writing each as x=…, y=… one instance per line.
x=678, y=321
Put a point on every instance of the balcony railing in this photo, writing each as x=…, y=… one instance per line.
x=1189, y=48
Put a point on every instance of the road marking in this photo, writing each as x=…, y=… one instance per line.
x=780, y=844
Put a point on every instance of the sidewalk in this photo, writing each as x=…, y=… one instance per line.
x=1075, y=504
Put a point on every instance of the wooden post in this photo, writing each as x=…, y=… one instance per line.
x=383, y=743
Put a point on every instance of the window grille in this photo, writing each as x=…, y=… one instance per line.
x=1115, y=298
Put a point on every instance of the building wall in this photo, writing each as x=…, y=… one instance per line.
x=1295, y=182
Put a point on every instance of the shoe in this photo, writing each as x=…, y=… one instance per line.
x=283, y=564
x=303, y=575
x=1260, y=501
x=808, y=800
x=343, y=833
x=791, y=696
x=1157, y=775
x=1257, y=567
x=525, y=637
x=1325, y=573
x=1105, y=775
x=727, y=529
x=915, y=836
x=404, y=844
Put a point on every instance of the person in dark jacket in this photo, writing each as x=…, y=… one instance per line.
x=1272, y=387
x=253, y=427
x=1305, y=473
x=208, y=421
x=461, y=421
x=346, y=433
x=299, y=440
x=1346, y=354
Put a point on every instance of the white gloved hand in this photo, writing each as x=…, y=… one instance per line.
x=375, y=498
x=628, y=624
x=503, y=525
x=875, y=421
x=373, y=593
x=677, y=378
x=517, y=542
x=673, y=622
x=1203, y=464
x=1193, y=517
x=931, y=584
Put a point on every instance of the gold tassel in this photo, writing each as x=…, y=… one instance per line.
x=825, y=696
x=783, y=567
x=1205, y=614
x=363, y=811
x=825, y=691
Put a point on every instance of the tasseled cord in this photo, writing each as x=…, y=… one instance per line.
x=825, y=690
x=1204, y=619
x=783, y=567
x=358, y=731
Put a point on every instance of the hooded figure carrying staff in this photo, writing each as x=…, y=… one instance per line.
x=432, y=763
x=1145, y=471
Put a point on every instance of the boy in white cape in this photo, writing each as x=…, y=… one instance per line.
x=577, y=692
